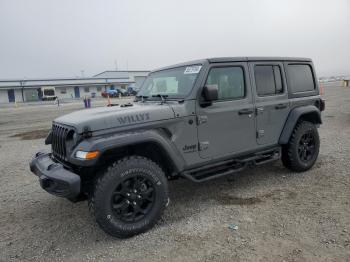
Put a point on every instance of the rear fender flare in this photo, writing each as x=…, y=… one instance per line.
x=311, y=113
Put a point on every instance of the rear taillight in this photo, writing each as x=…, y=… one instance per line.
x=321, y=89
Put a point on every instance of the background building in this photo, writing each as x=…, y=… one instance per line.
x=137, y=77
x=27, y=90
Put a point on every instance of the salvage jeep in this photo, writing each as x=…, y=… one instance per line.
x=198, y=120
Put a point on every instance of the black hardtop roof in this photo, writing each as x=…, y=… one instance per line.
x=257, y=58
x=237, y=59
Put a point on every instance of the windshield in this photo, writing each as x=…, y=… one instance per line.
x=173, y=83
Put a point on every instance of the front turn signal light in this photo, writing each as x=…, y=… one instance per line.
x=86, y=155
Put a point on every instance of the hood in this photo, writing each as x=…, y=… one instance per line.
x=116, y=116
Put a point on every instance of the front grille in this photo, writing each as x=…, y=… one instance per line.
x=59, y=137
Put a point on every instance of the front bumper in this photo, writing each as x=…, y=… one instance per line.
x=54, y=177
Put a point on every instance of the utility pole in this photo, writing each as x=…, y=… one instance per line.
x=22, y=89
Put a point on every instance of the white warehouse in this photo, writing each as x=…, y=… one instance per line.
x=28, y=90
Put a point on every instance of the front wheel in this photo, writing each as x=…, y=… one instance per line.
x=129, y=197
x=301, y=152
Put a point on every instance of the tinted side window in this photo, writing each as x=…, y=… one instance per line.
x=264, y=79
x=300, y=78
x=268, y=80
x=230, y=82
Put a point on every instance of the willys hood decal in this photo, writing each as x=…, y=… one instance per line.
x=110, y=117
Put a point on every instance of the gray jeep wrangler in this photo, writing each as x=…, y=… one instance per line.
x=198, y=120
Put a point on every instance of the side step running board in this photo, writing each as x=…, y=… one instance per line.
x=231, y=166
x=202, y=177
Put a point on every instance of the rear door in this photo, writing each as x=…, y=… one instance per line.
x=271, y=100
x=227, y=126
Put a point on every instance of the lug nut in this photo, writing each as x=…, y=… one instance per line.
x=128, y=202
x=138, y=196
x=134, y=203
x=135, y=191
x=128, y=194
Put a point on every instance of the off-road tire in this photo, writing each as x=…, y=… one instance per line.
x=100, y=199
x=285, y=157
x=290, y=153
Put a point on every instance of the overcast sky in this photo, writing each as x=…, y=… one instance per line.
x=62, y=38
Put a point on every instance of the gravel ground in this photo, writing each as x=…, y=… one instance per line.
x=281, y=216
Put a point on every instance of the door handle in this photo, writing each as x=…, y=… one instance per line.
x=281, y=106
x=245, y=111
x=259, y=110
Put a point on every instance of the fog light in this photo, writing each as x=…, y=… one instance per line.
x=86, y=155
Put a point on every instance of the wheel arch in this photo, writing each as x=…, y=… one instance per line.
x=149, y=149
x=308, y=113
x=153, y=144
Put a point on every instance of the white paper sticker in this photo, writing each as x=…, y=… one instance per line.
x=193, y=69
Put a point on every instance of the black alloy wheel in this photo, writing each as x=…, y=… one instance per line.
x=307, y=145
x=133, y=198
x=301, y=152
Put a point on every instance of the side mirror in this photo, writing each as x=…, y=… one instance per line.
x=210, y=93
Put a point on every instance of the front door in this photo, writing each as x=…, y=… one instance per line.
x=227, y=126
x=271, y=100
x=11, y=95
x=76, y=91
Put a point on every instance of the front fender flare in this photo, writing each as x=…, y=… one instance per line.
x=293, y=118
x=105, y=143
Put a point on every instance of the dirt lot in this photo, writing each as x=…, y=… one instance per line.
x=281, y=216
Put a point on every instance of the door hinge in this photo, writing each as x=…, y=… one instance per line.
x=260, y=133
x=203, y=145
x=202, y=119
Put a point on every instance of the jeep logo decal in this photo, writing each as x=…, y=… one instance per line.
x=133, y=118
x=189, y=148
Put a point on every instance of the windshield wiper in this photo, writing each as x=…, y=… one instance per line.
x=163, y=97
x=142, y=97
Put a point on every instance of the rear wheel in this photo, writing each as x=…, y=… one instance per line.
x=301, y=152
x=129, y=197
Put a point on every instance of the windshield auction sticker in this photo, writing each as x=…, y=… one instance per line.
x=193, y=69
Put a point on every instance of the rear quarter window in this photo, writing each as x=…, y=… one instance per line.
x=301, y=78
